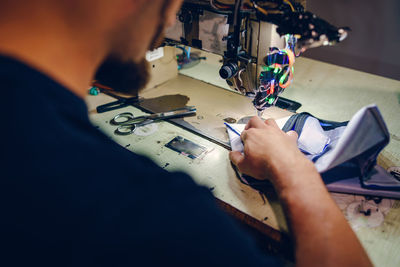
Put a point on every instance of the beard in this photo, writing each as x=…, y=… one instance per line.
x=123, y=77
x=127, y=77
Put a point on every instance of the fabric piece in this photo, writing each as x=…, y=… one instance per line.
x=334, y=136
x=342, y=151
x=234, y=138
x=313, y=140
x=70, y=196
x=365, y=130
x=352, y=186
x=379, y=179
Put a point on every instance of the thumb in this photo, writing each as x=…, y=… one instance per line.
x=236, y=157
x=293, y=136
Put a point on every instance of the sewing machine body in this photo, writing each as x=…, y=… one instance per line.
x=209, y=32
x=258, y=42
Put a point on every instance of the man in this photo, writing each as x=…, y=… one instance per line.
x=72, y=197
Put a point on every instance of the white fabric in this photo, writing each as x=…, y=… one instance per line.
x=313, y=140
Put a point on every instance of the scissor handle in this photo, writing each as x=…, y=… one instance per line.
x=125, y=129
x=121, y=118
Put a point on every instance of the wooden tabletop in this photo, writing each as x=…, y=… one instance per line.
x=327, y=91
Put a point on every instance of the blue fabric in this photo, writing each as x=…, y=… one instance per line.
x=64, y=202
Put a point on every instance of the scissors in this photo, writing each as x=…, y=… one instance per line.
x=127, y=123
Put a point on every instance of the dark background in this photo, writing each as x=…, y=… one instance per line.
x=373, y=45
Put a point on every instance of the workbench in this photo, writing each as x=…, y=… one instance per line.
x=326, y=91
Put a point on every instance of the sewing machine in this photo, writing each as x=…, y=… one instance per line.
x=259, y=41
x=250, y=47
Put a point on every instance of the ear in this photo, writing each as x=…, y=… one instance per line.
x=172, y=8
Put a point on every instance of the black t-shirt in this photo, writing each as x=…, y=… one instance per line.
x=70, y=196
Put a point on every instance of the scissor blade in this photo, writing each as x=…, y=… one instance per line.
x=147, y=119
x=177, y=113
x=170, y=115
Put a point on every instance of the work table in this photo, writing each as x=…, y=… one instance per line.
x=326, y=91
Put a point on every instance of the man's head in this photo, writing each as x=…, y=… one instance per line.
x=125, y=69
x=116, y=33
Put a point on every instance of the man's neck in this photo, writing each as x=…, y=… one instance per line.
x=70, y=60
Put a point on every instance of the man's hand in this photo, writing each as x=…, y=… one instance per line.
x=321, y=234
x=269, y=153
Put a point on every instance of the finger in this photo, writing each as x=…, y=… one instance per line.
x=236, y=157
x=243, y=136
x=254, y=122
x=271, y=122
x=293, y=136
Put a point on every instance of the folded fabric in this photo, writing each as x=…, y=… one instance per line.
x=343, y=152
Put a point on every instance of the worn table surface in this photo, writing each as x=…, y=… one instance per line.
x=327, y=91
